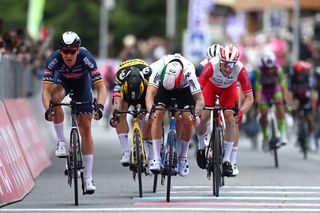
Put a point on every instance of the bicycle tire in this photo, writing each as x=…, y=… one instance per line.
x=74, y=137
x=273, y=143
x=302, y=139
x=137, y=142
x=216, y=180
x=170, y=165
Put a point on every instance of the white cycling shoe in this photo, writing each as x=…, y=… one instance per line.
x=89, y=187
x=155, y=166
x=125, y=159
x=183, y=167
x=61, y=151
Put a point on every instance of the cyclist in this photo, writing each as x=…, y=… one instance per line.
x=301, y=86
x=220, y=77
x=271, y=89
x=173, y=76
x=211, y=52
x=73, y=68
x=130, y=85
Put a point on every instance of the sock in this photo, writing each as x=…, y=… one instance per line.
x=265, y=132
x=184, y=149
x=156, y=145
x=124, y=142
x=88, y=163
x=58, y=127
x=233, y=157
x=227, y=150
x=148, y=149
x=282, y=126
x=201, y=144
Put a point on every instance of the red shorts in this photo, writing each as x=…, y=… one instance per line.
x=228, y=95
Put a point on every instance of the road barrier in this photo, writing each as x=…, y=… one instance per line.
x=23, y=155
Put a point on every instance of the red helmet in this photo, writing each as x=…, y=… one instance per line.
x=301, y=67
x=229, y=53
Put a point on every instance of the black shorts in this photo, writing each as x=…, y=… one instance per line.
x=82, y=90
x=183, y=97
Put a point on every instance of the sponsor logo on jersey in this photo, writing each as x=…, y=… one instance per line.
x=88, y=62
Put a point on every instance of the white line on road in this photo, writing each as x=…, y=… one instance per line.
x=249, y=187
x=159, y=209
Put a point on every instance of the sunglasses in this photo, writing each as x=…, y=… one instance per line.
x=69, y=51
x=228, y=64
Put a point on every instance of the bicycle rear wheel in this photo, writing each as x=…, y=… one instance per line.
x=216, y=147
x=170, y=165
x=74, y=140
x=137, y=142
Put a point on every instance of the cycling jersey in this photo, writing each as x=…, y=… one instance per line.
x=189, y=78
x=79, y=78
x=270, y=83
x=85, y=64
x=211, y=72
x=215, y=83
x=121, y=74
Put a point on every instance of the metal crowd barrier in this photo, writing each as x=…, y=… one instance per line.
x=15, y=78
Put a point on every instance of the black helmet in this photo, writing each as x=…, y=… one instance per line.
x=134, y=85
x=69, y=39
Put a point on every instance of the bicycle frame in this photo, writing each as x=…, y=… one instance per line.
x=275, y=134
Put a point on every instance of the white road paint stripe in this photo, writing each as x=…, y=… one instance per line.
x=271, y=198
x=249, y=187
x=243, y=192
x=159, y=209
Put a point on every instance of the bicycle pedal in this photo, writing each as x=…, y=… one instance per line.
x=66, y=172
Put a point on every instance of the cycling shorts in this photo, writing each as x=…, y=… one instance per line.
x=183, y=97
x=228, y=96
x=82, y=90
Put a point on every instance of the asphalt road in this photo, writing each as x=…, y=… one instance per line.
x=260, y=187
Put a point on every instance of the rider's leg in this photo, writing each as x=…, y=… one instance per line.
x=280, y=114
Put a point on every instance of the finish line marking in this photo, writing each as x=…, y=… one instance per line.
x=156, y=209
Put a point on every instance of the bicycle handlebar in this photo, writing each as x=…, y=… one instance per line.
x=235, y=108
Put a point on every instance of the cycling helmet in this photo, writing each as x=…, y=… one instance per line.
x=69, y=39
x=229, y=53
x=134, y=85
x=301, y=67
x=268, y=59
x=171, y=74
x=213, y=51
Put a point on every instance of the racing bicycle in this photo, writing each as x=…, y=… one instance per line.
x=214, y=151
x=74, y=162
x=169, y=155
x=138, y=159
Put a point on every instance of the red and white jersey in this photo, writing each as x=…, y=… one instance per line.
x=211, y=72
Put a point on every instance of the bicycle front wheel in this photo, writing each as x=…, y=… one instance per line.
x=137, y=142
x=217, y=161
x=74, y=138
x=170, y=165
x=273, y=143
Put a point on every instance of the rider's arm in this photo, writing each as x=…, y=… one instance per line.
x=245, y=83
x=151, y=93
x=283, y=84
x=46, y=94
x=101, y=91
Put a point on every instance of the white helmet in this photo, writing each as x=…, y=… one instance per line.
x=171, y=74
x=268, y=59
x=213, y=51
